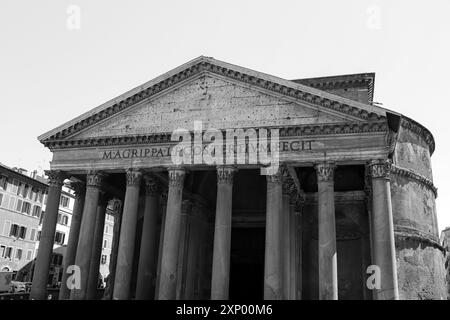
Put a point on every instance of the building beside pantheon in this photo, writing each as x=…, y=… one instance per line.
x=232, y=183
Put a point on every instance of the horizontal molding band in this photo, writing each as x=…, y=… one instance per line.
x=413, y=176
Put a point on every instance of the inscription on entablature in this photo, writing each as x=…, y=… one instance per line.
x=165, y=151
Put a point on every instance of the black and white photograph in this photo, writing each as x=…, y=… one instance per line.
x=224, y=155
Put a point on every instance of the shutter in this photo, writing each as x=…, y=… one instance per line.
x=6, y=228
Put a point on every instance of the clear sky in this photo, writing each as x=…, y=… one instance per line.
x=54, y=66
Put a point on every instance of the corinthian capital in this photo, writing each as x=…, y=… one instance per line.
x=152, y=187
x=95, y=179
x=79, y=188
x=55, y=178
x=176, y=177
x=325, y=171
x=225, y=174
x=133, y=177
x=380, y=169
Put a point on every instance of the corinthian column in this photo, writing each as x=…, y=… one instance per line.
x=94, y=268
x=222, y=234
x=42, y=266
x=75, y=223
x=169, y=260
x=273, y=275
x=383, y=230
x=94, y=181
x=148, y=253
x=288, y=189
x=328, y=283
x=125, y=255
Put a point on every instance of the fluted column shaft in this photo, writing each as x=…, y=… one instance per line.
x=45, y=249
x=383, y=231
x=273, y=274
x=94, y=268
x=122, y=281
x=86, y=235
x=148, y=252
x=328, y=283
x=222, y=234
x=75, y=224
x=169, y=260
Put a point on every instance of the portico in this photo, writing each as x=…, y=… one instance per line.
x=282, y=188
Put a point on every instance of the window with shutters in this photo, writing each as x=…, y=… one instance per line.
x=12, y=203
x=5, y=202
x=14, y=232
x=2, y=251
x=3, y=182
x=19, y=205
x=18, y=254
x=8, y=252
x=33, y=234
x=59, y=237
x=22, y=232
x=1, y=199
x=14, y=186
x=36, y=211
x=25, y=190
x=29, y=254
x=64, y=202
x=26, y=207
x=104, y=257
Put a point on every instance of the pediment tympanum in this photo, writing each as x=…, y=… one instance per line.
x=217, y=103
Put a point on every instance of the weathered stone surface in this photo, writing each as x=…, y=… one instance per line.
x=420, y=261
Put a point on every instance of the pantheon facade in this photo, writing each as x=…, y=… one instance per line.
x=228, y=183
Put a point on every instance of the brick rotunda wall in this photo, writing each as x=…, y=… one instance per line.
x=420, y=258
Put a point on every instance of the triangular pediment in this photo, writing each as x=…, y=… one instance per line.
x=220, y=95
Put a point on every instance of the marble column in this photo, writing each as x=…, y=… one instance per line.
x=288, y=188
x=299, y=204
x=328, y=281
x=222, y=234
x=122, y=281
x=75, y=223
x=273, y=273
x=195, y=243
x=94, y=182
x=45, y=249
x=117, y=209
x=383, y=230
x=184, y=249
x=292, y=247
x=168, y=277
x=148, y=252
x=97, y=245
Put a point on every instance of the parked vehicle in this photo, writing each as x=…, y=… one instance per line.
x=17, y=287
x=27, y=286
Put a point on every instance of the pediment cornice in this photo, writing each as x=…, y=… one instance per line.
x=208, y=65
x=288, y=131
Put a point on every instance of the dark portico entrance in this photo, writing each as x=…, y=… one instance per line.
x=248, y=236
x=247, y=263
